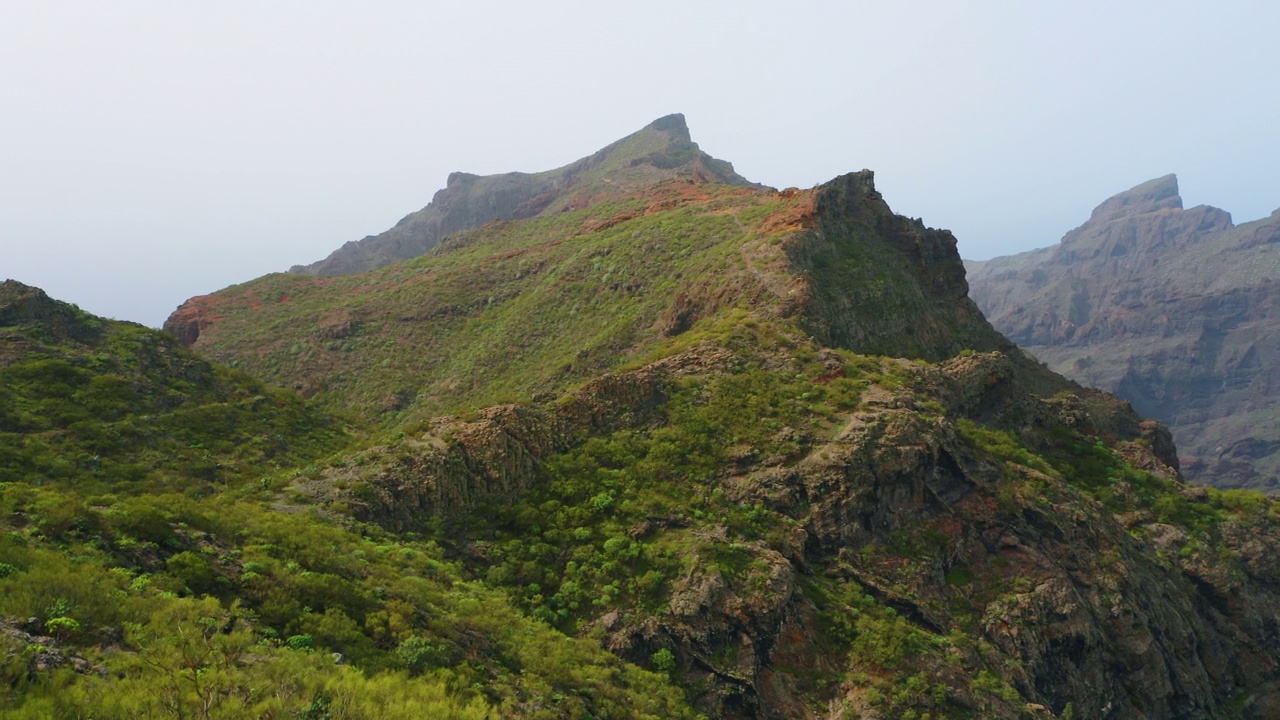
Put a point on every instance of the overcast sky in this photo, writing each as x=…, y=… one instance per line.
x=151, y=151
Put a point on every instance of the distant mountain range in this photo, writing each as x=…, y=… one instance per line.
x=1176, y=310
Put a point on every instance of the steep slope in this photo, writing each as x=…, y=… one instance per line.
x=764, y=444
x=659, y=151
x=1176, y=310
x=150, y=565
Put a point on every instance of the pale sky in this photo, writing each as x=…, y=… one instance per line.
x=151, y=151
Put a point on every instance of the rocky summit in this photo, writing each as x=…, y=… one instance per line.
x=660, y=150
x=688, y=449
x=1176, y=310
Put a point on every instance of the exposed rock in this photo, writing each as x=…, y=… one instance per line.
x=661, y=150
x=1176, y=310
x=880, y=283
x=40, y=653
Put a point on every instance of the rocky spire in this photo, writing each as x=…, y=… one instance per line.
x=1150, y=196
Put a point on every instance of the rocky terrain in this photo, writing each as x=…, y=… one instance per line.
x=1173, y=309
x=694, y=449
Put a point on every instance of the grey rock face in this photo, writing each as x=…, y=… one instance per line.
x=1176, y=310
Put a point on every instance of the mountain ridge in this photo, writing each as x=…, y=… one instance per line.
x=661, y=150
x=825, y=255
x=699, y=422
x=1168, y=307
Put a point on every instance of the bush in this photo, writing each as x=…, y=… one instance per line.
x=664, y=661
x=305, y=643
x=193, y=571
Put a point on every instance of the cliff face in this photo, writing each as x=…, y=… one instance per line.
x=881, y=283
x=660, y=150
x=1173, y=309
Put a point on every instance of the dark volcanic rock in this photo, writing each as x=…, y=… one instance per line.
x=1176, y=310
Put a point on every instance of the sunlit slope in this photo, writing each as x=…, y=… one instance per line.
x=521, y=308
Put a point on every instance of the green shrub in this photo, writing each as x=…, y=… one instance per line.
x=663, y=661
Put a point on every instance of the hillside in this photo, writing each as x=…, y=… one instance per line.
x=516, y=310
x=659, y=151
x=153, y=564
x=118, y=407
x=693, y=449
x=763, y=443
x=1173, y=309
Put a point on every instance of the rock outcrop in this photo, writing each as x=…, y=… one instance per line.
x=1176, y=310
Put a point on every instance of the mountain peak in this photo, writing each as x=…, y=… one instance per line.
x=661, y=150
x=21, y=303
x=674, y=124
x=1158, y=194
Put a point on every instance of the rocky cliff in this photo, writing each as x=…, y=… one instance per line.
x=1176, y=310
x=661, y=150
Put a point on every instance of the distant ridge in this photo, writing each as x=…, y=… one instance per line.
x=1176, y=310
x=661, y=150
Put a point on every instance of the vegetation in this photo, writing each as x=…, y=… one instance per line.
x=784, y=520
x=166, y=578
x=585, y=542
x=498, y=314
x=116, y=406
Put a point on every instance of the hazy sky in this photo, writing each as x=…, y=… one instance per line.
x=151, y=151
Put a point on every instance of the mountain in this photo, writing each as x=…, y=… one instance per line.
x=1176, y=310
x=661, y=150
x=694, y=449
x=520, y=309
x=764, y=443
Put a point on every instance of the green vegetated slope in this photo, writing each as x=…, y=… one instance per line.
x=118, y=406
x=516, y=310
x=150, y=568
x=762, y=443
x=659, y=151
x=1173, y=309
x=790, y=530
x=688, y=450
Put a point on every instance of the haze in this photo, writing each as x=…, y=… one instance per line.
x=155, y=151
